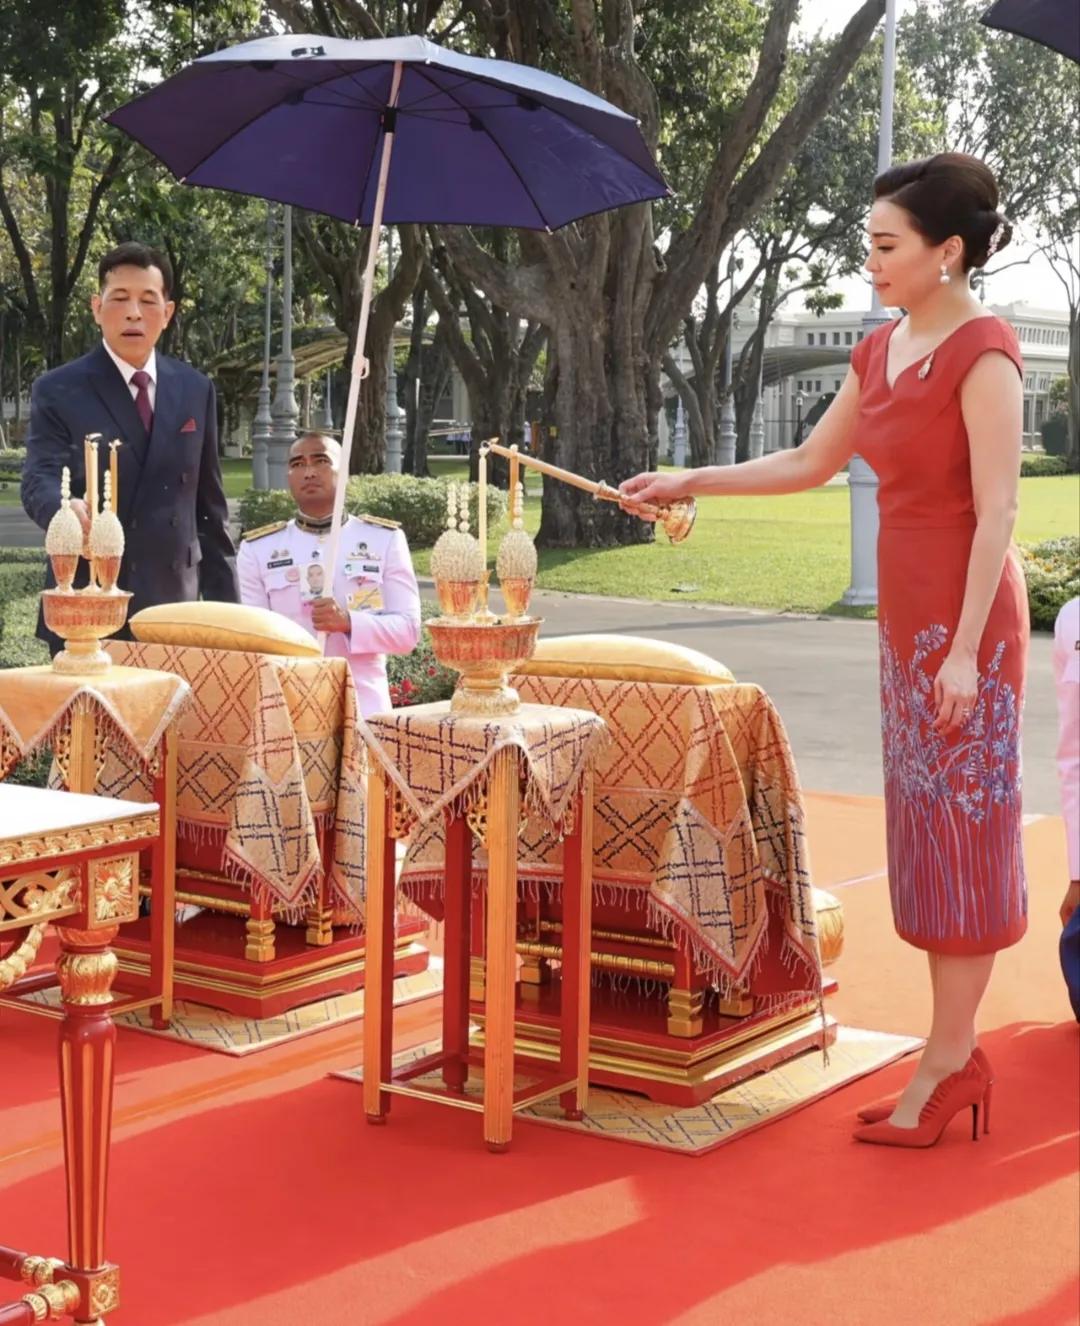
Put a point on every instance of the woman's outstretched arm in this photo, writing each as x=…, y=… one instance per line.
x=829, y=446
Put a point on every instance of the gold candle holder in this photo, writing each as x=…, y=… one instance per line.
x=458, y=598
x=83, y=618
x=484, y=654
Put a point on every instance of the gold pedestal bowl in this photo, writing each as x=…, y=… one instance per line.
x=82, y=620
x=484, y=654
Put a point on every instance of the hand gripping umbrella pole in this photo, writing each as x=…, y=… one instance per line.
x=676, y=518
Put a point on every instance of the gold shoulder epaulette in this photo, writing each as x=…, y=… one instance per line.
x=263, y=531
x=380, y=520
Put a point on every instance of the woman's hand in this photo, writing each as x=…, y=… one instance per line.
x=653, y=488
x=956, y=688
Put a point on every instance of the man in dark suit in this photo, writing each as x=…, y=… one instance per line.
x=172, y=503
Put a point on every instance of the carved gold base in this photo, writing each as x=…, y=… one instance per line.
x=685, y=1012
x=484, y=699
x=260, y=941
x=320, y=929
x=681, y=1077
x=82, y=658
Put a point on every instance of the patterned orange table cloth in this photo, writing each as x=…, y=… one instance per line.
x=698, y=817
x=133, y=709
x=440, y=761
x=268, y=756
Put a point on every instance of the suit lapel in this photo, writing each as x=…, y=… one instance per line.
x=114, y=391
x=160, y=450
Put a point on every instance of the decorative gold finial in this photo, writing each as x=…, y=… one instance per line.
x=64, y=537
x=516, y=561
x=457, y=565
x=106, y=542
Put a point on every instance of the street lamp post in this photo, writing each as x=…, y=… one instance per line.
x=284, y=411
x=726, y=437
x=757, y=423
x=392, y=463
x=326, y=414
x=798, y=419
x=862, y=481
x=262, y=424
x=678, y=452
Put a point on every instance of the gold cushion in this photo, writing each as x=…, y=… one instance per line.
x=205, y=625
x=624, y=658
x=830, y=925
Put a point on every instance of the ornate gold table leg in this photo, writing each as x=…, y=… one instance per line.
x=378, y=950
x=86, y=967
x=504, y=808
x=259, y=946
x=163, y=893
x=577, y=954
x=456, y=945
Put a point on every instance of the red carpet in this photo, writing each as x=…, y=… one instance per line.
x=253, y=1192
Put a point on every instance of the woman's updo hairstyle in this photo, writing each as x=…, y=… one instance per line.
x=950, y=194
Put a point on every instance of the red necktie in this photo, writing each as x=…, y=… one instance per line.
x=142, y=381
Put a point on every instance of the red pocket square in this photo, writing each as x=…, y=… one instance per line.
x=189, y=427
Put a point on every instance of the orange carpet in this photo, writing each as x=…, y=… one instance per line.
x=252, y=1192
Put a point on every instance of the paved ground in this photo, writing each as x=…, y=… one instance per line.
x=820, y=672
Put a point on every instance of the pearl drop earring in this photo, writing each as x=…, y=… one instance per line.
x=944, y=278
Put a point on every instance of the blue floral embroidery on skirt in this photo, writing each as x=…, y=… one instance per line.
x=953, y=801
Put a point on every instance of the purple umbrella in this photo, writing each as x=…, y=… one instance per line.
x=1053, y=23
x=396, y=130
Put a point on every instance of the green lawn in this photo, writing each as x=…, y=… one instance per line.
x=790, y=554
x=783, y=553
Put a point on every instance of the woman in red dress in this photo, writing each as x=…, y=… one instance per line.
x=933, y=401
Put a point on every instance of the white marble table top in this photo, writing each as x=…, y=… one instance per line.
x=27, y=812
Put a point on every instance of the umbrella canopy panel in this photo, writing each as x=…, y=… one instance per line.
x=301, y=119
x=1053, y=23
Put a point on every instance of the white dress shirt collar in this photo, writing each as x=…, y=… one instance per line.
x=128, y=370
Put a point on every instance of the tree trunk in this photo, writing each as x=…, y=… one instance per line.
x=437, y=367
x=598, y=417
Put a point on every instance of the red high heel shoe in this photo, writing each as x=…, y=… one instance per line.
x=960, y=1090
x=875, y=1113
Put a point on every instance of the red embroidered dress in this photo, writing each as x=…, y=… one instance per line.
x=956, y=867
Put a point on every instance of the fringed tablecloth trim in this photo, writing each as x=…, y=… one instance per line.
x=294, y=909
x=112, y=725
x=471, y=790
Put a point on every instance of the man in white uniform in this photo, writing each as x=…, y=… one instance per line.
x=1067, y=680
x=374, y=609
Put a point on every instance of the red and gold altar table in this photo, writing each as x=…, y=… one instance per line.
x=481, y=778
x=87, y=721
x=270, y=838
x=72, y=862
x=704, y=951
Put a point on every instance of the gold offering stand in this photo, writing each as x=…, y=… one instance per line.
x=468, y=637
x=83, y=618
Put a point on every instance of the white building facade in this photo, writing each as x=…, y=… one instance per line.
x=1043, y=336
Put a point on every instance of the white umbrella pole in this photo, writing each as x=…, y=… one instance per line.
x=359, y=360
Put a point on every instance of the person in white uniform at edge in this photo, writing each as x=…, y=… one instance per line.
x=374, y=609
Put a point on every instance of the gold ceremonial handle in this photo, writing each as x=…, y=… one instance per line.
x=677, y=519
